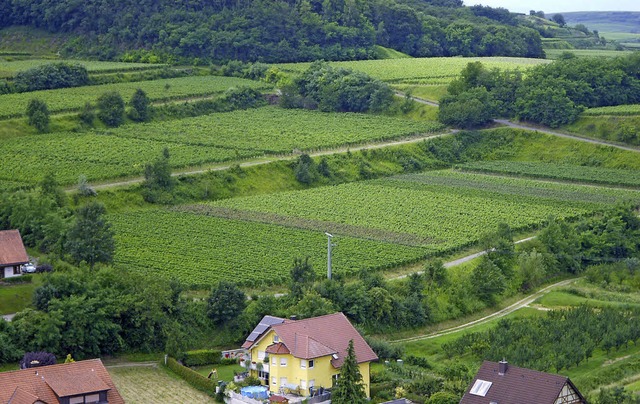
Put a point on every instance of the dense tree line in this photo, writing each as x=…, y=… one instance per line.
x=276, y=31
x=553, y=94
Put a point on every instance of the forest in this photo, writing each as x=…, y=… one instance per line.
x=275, y=31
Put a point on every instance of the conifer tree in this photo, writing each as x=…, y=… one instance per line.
x=349, y=388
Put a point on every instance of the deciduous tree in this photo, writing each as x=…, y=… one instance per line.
x=91, y=238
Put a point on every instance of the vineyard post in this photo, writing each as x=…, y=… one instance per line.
x=329, y=245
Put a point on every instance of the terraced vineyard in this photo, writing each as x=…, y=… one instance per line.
x=598, y=175
x=421, y=70
x=378, y=224
x=622, y=110
x=10, y=68
x=99, y=157
x=277, y=130
x=72, y=99
x=196, y=141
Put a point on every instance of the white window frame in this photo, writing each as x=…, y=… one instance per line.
x=303, y=384
x=303, y=364
x=276, y=338
x=283, y=362
x=261, y=355
x=274, y=361
x=274, y=381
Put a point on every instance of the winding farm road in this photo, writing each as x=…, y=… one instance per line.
x=498, y=314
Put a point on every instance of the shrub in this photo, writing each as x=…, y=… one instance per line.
x=38, y=115
x=194, y=378
x=202, y=357
x=111, y=109
x=19, y=279
x=49, y=76
x=36, y=359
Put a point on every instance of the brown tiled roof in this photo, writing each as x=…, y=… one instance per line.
x=12, y=250
x=278, y=348
x=516, y=386
x=278, y=399
x=321, y=336
x=65, y=379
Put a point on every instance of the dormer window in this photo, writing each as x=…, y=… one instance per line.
x=276, y=338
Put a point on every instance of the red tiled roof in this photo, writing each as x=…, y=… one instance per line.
x=12, y=250
x=321, y=336
x=516, y=386
x=65, y=379
x=278, y=399
x=277, y=348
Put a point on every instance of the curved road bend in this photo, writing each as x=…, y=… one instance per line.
x=498, y=314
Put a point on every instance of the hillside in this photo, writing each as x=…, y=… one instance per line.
x=606, y=21
x=274, y=31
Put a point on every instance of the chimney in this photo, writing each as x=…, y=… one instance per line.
x=502, y=367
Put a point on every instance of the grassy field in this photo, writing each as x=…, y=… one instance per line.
x=633, y=109
x=622, y=129
x=143, y=384
x=378, y=224
x=555, y=53
x=14, y=298
x=73, y=99
x=421, y=70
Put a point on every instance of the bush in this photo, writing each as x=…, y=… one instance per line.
x=140, y=106
x=111, y=109
x=43, y=268
x=87, y=114
x=194, y=378
x=19, y=279
x=38, y=115
x=202, y=357
x=37, y=359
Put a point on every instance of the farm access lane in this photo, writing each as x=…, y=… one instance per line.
x=540, y=129
x=498, y=314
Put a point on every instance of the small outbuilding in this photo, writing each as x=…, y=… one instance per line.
x=501, y=383
x=12, y=254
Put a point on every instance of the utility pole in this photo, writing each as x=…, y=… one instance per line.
x=329, y=245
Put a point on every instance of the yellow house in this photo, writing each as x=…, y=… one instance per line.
x=303, y=356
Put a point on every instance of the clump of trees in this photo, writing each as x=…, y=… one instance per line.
x=158, y=183
x=111, y=109
x=50, y=76
x=337, y=89
x=553, y=94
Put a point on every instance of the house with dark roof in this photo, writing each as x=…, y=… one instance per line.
x=66, y=383
x=501, y=383
x=303, y=356
x=12, y=253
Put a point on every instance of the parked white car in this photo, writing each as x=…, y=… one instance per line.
x=28, y=268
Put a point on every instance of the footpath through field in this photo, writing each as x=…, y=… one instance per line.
x=500, y=313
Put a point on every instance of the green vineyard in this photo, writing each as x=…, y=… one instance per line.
x=10, y=68
x=622, y=110
x=377, y=224
x=209, y=139
x=421, y=70
x=73, y=99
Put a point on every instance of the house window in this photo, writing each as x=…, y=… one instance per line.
x=276, y=338
x=311, y=363
x=274, y=361
x=261, y=355
x=262, y=375
x=273, y=380
x=303, y=364
x=76, y=400
x=92, y=398
x=87, y=399
x=283, y=381
x=312, y=383
x=16, y=270
x=303, y=384
x=283, y=362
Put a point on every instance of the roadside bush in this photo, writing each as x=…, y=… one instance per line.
x=19, y=279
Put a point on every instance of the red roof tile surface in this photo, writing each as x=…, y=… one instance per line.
x=66, y=379
x=278, y=348
x=517, y=386
x=12, y=250
x=321, y=336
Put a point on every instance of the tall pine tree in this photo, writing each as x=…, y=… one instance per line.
x=349, y=388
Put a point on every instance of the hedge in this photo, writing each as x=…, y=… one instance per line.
x=192, y=377
x=202, y=357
